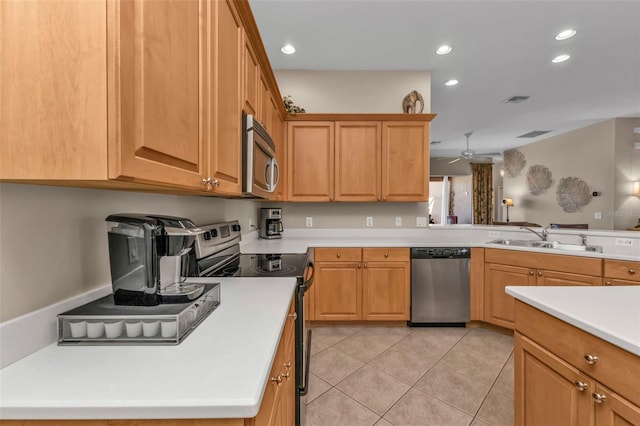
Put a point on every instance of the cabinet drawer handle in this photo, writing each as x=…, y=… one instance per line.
x=599, y=397
x=591, y=359
x=531, y=273
x=539, y=273
x=632, y=271
x=294, y=315
x=581, y=385
x=386, y=255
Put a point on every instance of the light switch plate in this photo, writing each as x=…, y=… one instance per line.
x=309, y=222
x=597, y=215
x=625, y=242
x=421, y=222
x=398, y=220
x=369, y=221
x=494, y=234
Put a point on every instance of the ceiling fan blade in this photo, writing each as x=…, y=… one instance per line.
x=490, y=154
x=457, y=159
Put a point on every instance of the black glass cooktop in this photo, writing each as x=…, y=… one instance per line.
x=265, y=265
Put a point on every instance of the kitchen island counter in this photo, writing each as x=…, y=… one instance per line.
x=219, y=371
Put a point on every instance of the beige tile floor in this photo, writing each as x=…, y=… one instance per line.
x=402, y=376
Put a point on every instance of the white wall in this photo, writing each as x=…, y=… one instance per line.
x=626, y=210
x=53, y=240
x=353, y=91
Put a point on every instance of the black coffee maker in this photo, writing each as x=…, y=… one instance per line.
x=270, y=223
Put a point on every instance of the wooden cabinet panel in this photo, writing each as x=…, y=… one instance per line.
x=476, y=284
x=610, y=281
x=622, y=269
x=264, y=111
x=371, y=254
x=357, y=161
x=251, y=78
x=499, y=307
x=386, y=291
x=615, y=410
x=158, y=135
x=550, y=262
x=225, y=144
x=338, y=254
x=53, y=103
x=546, y=388
x=310, y=159
x=550, y=278
x=338, y=291
x=405, y=161
x=615, y=367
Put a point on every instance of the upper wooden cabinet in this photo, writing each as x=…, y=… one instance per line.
x=131, y=94
x=373, y=160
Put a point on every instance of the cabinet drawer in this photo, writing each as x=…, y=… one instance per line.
x=609, y=281
x=615, y=368
x=344, y=254
x=385, y=254
x=622, y=269
x=551, y=262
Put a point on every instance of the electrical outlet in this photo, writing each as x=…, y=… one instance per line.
x=626, y=242
x=421, y=222
x=494, y=234
x=398, y=220
x=369, y=221
x=309, y=222
x=597, y=215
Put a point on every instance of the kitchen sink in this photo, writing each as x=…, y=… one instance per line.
x=547, y=245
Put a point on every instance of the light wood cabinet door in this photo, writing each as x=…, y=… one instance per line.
x=338, y=291
x=405, y=161
x=53, y=98
x=264, y=110
x=225, y=142
x=499, y=307
x=160, y=55
x=613, y=281
x=622, y=269
x=385, y=291
x=251, y=78
x=310, y=155
x=551, y=278
x=548, y=391
x=358, y=161
x=614, y=410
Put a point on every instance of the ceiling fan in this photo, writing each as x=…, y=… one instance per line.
x=470, y=154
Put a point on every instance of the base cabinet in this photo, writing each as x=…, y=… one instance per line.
x=370, y=284
x=554, y=384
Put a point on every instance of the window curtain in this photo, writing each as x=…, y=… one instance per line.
x=482, y=174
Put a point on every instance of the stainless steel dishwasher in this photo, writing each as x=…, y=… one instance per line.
x=440, y=286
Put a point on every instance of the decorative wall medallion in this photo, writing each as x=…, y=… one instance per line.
x=538, y=179
x=513, y=162
x=573, y=193
x=409, y=103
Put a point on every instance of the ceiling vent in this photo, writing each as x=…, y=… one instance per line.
x=515, y=99
x=534, y=134
x=435, y=142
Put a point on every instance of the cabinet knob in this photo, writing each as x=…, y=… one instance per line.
x=539, y=273
x=386, y=255
x=277, y=380
x=338, y=255
x=286, y=375
x=359, y=266
x=531, y=272
x=599, y=397
x=581, y=385
x=365, y=266
x=207, y=181
x=330, y=198
x=379, y=199
x=632, y=271
x=216, y=183
x=294, y=315
x=607, y=283
x=591, y=359
x=287, y=364
x=384, y=198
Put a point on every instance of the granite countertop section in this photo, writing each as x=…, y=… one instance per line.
x=610, y=313
x=219, y=371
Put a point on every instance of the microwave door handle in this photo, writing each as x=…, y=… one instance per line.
x=267, y=177
x=276, y=171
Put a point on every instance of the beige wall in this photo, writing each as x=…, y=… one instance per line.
x=626, y=210
x=587, y=153
x=53, y=241
x=439, y=166
x=353, y=91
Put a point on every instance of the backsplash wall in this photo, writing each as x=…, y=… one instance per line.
x=53, y=240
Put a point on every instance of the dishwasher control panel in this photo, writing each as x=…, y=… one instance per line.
x=440, y=253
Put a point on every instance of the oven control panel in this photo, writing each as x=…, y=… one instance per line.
x=216, y=237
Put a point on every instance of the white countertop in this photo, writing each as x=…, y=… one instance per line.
x=610, y=313
x=219, y=371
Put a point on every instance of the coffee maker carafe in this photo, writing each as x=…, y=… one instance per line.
x=148, y=258
x=270, y=223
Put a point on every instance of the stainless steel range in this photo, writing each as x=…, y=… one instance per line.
x=217, y=254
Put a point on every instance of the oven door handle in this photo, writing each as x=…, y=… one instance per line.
x=307, y=283
x=304, y=389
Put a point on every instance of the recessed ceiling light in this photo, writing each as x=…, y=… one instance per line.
x=288, y=49
x=563, y=35
x=560, y=58
x=444, y=49
x=451, y=82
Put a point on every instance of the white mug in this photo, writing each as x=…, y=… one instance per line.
x=78, y=328
x=168, y=328
x=134, y=329
x=113, y=329
x=95, y=329
x=150, y=328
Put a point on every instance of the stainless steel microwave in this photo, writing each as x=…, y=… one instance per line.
x=259, y=165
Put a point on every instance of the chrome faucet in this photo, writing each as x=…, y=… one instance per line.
x=542, y=235
x=584, y=239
